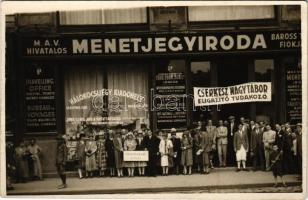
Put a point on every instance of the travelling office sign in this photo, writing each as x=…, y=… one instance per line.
x=248, y=92
x=159, y=43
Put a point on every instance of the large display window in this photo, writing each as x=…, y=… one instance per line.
x=106, y=96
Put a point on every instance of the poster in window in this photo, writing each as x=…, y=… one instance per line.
x=294, y=94
x=40, y=101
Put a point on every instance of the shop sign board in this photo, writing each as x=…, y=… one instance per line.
x=159, y=43
x=248, y=92
x=135, y=155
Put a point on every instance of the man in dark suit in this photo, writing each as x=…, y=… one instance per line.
x=176, y=151
x=61, y=157
x=299, y=148
x=279, y=138
x=151, y=142
x=287, y=156
x=241, y=146
x=256, y=147
x=230, y=150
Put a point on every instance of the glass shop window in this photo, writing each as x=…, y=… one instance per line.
x=227, y=13
x=200, y=77
x=264, y=72
x=101, y=96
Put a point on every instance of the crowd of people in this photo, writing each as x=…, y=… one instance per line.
x=23, y=162
x=197, y=150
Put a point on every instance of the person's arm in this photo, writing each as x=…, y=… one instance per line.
x=161, y=146
x=246, y=138
x=125, y=145
x=234, y=141
x=264, y=138
x=94, y=149
x=214, y=136
x=134, y=145
x=65, y=152
x=225, y=132
x=272, y=139
x=190, y=145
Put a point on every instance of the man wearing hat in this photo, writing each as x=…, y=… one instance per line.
x=61, y=157
x=299, y=148
x=176, y=151
x=231, y=131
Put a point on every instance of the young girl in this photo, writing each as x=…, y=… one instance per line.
x=130, y=145
x=110, y=153
x=101, y=154
x=186, y=158
x=90, y=150
x=118, y=153
x=140, y=147
x=165, y=146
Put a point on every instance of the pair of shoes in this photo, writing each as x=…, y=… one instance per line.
x=245, y=169
x=62, y=186
x=284, y=185
x=207, y=172
x=238, y=169
x=275, y=185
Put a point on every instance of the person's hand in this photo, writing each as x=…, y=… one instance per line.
x=234, y=150
x=252, y=154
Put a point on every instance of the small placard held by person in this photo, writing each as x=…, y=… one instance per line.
x=136, y=155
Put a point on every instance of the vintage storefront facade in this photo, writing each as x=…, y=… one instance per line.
x=137, y=68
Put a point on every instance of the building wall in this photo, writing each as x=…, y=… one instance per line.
x=117, y=20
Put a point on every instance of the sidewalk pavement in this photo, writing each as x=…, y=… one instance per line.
x=225, y=178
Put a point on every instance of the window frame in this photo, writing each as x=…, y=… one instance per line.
x=102, y=27
x=191, y=25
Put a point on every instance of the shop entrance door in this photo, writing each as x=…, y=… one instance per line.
x=232, y=71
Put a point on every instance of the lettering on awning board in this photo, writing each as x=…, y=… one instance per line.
x=160, y=43
x=248, y=92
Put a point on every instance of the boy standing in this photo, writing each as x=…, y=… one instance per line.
x=276, y=165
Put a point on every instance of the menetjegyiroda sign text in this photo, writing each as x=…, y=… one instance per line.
x=160, y=43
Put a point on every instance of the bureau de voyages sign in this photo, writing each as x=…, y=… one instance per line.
x=159, y=43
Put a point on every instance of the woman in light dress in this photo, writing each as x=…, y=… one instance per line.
x=165, y=148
